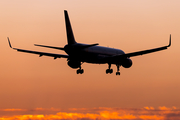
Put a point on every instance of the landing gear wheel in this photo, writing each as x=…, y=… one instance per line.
x=109, y=71
x=81, y=71
x=117, y=73
x=78, y=71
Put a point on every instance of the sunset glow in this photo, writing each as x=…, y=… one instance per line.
x=101, y=114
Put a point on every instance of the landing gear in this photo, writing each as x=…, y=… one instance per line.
x=80, y=71
x=118, y=73
x=109, y=70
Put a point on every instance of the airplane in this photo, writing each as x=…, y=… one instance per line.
x=78, y=53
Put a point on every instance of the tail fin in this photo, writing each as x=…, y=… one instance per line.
x=69, y=32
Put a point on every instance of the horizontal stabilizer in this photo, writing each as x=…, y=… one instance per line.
x=86, y=46
x=59, y=48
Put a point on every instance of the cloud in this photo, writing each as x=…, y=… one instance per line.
x=102, y=113
x=149, y=108
x=164, y=108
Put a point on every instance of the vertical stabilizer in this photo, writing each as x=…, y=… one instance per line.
x=69, y=32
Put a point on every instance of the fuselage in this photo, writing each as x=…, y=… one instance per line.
x=94, y=54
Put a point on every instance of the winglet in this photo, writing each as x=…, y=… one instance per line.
x=9, y=42
x=169, y=41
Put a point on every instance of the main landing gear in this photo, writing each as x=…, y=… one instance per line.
x=80, y=71
x=109, y=70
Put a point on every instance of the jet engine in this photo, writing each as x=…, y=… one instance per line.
x=127, y=63
x=74, y=64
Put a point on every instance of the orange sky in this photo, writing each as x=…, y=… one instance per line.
x=29, y=82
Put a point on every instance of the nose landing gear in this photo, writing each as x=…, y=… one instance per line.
x=118, y=73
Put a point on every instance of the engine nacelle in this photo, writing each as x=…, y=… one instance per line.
x=74, y=64
x=127, y=63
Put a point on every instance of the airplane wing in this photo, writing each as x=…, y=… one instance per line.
x=40, y=53
x=143, y=51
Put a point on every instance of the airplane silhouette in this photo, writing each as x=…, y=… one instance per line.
x=78, y=53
